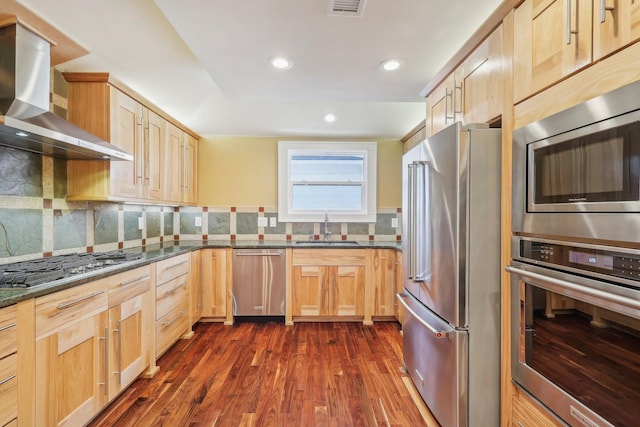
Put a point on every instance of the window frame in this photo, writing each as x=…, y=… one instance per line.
x=287, y=149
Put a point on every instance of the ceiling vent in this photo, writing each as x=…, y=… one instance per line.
x=345, y=7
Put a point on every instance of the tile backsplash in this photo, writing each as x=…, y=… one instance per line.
x=36, y=219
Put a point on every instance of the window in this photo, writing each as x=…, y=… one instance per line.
x=334, y=177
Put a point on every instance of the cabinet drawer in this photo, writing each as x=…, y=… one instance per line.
x=171, y=294
x=524, y=414
x=170, y=327
x=8, y=389
x=172, y=268
x=124, y=286
x=61, y=309
x=8, y=331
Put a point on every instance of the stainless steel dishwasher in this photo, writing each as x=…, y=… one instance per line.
x=259, y=284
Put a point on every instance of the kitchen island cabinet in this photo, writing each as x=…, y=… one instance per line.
x=71, y=355
x=329, y=283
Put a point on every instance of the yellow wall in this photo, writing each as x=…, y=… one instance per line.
x=243, y=171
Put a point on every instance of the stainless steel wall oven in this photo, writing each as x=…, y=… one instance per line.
x=577, y=173
x=575, y=329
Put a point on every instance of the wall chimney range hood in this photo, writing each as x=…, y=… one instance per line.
x=25, y=120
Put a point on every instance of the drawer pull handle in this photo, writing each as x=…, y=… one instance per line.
x=9, y=326
x=137, y=279
x=6, y=380
x=175, y=265
x=174, y=319
x=79, y=300
x=171, y=291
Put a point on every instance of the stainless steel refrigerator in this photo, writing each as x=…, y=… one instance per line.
x=451, y=264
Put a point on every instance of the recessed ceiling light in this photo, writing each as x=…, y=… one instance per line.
x=329, y=117
x=391, y=64
x=280, y=62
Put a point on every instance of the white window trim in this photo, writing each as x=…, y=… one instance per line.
x=369, y=149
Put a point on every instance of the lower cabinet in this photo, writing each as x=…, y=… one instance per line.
x=71, y=353
x=130, y=302
x=525, y=413
x=8, y=366
x=213, y=279
x=385, y=271
x=172, y=301
x=328, y=282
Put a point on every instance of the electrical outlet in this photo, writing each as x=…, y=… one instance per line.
x=394, y=222
x=140, y=223
x=198, y=221
x=273, y=221
x=262, y=221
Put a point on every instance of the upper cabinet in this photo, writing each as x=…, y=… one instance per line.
x=616, y=23
x=473, y=92
x=159, y=169
x=480, y=83
x=555, y=38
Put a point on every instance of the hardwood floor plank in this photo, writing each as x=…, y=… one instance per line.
x=269, y=374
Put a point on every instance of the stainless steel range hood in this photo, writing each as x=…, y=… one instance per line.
x=25, y=120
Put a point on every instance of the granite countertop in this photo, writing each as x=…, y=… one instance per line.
x=157, y=252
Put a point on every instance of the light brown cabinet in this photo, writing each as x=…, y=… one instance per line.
x=552, y=40
x=8, y=365
x=172, y=301
x=97, y=103
x=129, y=309
x=71, y=354
x=328, y=282
x=480, y=81
x=525, y=413
x=195, y=287
x=189, y=174
x=616, y=24
x=214, y=280
x=385, y=283
x=441, y=107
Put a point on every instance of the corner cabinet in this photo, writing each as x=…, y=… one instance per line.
x=329, y=283
x=106, y=108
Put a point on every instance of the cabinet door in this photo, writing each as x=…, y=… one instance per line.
x=195, y=287
x=616, y=23
x=525, y=414
x=153, y=155
x=346, y=290
x=214, y=282
x=384, y=286
x=190, y=170
x=126, y=348
x=173, y=164
x=480, y=77
x=71, y=368
x=310, y=296
x=126, y=133
x=440, y=106
x=552, y=40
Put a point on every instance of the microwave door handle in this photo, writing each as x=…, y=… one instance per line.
x=559, y=284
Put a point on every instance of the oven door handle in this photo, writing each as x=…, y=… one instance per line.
x=595, y=293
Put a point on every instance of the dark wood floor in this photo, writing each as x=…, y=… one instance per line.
x=268, y=374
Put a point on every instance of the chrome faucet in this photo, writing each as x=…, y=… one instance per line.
x=326, y=226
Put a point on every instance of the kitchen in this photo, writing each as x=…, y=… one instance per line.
x=541, y=93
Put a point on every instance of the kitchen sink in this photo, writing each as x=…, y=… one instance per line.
x=327, y=243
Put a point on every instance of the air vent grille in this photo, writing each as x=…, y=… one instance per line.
x=345, y=7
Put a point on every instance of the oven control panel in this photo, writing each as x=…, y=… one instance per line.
x=618, y=264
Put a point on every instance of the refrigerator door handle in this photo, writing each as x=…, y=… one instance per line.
x=437, y=333
x=411, y=221
x=420, y=222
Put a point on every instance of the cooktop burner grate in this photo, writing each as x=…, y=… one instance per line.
x=35, y=272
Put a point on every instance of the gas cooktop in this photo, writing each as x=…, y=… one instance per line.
x=31, y=273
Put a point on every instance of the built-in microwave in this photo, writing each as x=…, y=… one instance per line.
x=577, y=173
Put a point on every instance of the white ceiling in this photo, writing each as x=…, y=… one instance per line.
x=205, y=61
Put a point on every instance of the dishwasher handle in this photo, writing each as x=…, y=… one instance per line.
x=259, y=253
